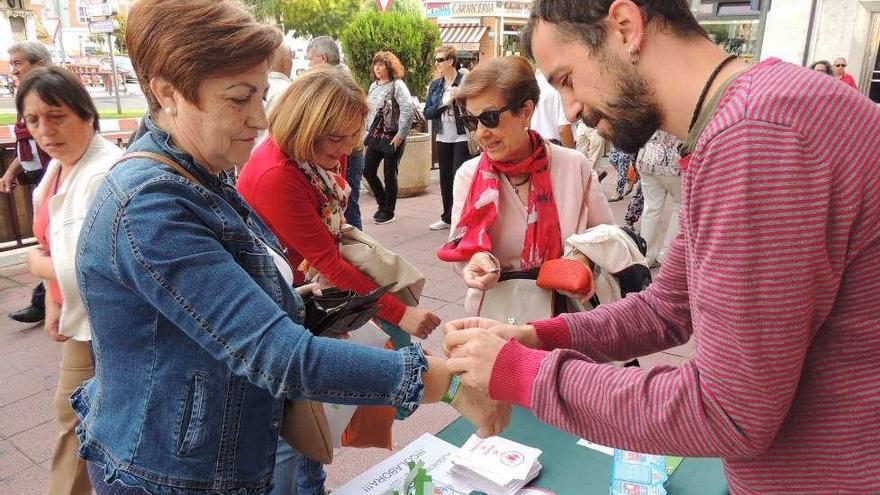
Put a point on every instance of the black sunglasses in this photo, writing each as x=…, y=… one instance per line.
x=440, y=60
x=840, y=65
x=490, y=118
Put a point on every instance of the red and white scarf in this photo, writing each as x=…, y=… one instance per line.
x=543, y=240
x=333, y=191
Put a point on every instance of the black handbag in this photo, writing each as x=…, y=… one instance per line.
x=336, y=311
x=378, y=137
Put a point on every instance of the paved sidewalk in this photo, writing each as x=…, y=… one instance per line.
x=29, y=360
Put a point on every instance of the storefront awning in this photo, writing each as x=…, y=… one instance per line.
x=462, y=36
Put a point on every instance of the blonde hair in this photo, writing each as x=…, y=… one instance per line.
x=321, y=102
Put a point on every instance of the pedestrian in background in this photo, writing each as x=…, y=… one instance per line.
x=591, y=144
x=621, y=161
x=822, y=66
x=324, y=51
x=450, y=134
x=24, y=57
x=62, y=118
x=549, y=117
x=660, y=178
x=839, y=70
x=387, y=88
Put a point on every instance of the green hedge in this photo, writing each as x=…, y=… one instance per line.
x=409, y=36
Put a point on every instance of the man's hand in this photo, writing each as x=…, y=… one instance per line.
x=489, y=416
x=472, y=355
x=482, y=271
x=419, y=322
x=10, y=177
x=7, y=184
x=395, y=143
x=53, y=320
x=524, y=334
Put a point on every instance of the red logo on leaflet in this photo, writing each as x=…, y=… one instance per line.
x=512, y=458
x=384, y=5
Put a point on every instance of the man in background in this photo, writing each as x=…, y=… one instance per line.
x=839, y=70
x=549, y=117
x=23, y=58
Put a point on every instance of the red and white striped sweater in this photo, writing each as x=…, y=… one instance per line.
x=775, y=273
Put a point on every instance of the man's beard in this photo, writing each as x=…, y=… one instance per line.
x=634, y=116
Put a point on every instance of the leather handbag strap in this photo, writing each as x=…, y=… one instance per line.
x=164, y=160
x=586, y=199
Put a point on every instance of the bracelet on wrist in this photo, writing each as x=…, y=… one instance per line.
x=452, y=391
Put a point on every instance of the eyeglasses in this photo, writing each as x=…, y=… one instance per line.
x=490, y=118
x=440, y=60
x=840, y=65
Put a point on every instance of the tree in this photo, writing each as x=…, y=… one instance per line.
x=408, y=35
x=263, y=9
x=312, y=18
x=119, y=33
x=411, y=6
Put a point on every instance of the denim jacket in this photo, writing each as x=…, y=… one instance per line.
x=197, y=338
x=433, y=110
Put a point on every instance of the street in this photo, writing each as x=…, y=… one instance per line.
x=132, y=100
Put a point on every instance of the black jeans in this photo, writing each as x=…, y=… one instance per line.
x=386, y=196
x=450, y=156
x=38, y=296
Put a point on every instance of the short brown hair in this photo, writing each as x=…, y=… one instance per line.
x=187, y=42
x=392, y=63
x=449, y=52
x=511, y=76
x=56, y=87
x=321, y=102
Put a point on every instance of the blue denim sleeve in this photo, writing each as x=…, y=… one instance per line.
x=170, y=255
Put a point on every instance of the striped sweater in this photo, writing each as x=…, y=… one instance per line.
x=775, y=274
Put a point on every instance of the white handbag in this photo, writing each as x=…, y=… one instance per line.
x=517, y=300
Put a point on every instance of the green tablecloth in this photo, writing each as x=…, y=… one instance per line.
x=570, y=469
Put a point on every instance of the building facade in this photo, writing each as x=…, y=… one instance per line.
x=18, y=22
x=480, y=29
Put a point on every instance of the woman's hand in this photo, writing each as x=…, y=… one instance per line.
x=489, y=416
x=53, y=320
x=524, y=334
x=307, y=289
x=395, y=143
x=482, y=271
x=40, y=265
x=418, y=322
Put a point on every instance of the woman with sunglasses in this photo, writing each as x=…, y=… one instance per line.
x=517, y=202
x=451, y=136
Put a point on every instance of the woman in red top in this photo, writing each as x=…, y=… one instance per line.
x=295, y=180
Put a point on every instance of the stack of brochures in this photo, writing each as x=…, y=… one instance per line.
x=495, y=465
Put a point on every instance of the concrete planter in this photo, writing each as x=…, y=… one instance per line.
x=414, y=170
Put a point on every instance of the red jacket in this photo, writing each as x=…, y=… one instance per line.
x=285, y=199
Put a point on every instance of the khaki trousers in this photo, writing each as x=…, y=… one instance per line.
x=68, y=475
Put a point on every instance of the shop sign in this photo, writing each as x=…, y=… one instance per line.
x=473, y=9
x=435, y=10
x=517, y=9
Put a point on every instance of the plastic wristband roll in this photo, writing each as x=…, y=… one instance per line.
x=452, y=391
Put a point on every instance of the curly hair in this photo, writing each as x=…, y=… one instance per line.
x=392, y=63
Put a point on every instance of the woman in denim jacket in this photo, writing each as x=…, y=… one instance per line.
x=197, y=336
